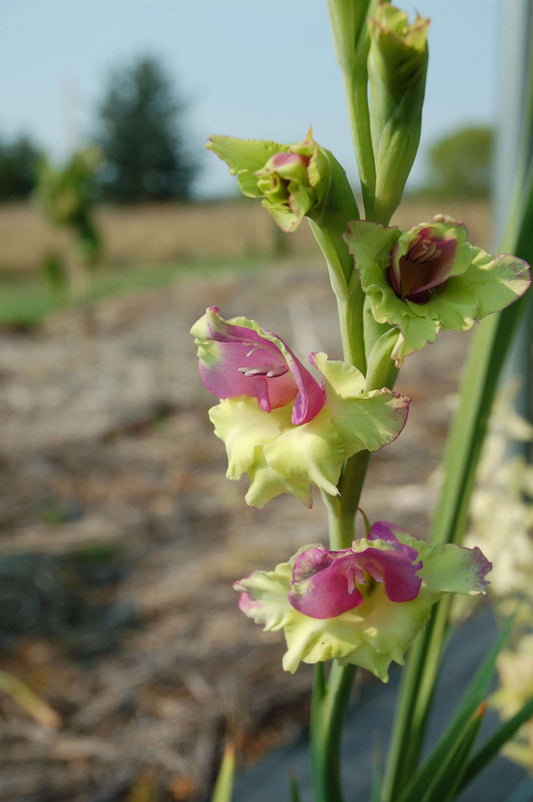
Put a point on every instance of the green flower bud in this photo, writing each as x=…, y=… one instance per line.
x=397, y=66
x=347, y=24
x=294, y=181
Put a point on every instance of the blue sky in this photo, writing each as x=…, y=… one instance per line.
x=249, y=68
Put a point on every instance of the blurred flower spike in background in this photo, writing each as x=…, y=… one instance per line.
x=362, y=605
x=278, y=423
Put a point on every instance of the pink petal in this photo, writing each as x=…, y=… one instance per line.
x=325, y=583
x=311, y=396
x=395, y=569
x=397, y=566
x=326, y=593
x=252, y=365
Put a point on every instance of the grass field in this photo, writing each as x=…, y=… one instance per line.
x=149, y=246
x=25, y=300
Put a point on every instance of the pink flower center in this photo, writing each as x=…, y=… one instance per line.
x=423, y=271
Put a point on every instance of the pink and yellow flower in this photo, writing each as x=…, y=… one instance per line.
x=363, y=605
x=280, y=425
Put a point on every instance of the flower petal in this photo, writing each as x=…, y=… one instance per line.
x=365, y=421
x=497, y=280
x=313, y=452
x=237, y=357
x=244, y=427
x=376, y=630
x=467, y=283
x=266, y=483
x=323, y=583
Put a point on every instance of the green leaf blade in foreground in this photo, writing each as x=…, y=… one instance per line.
x=492, y=745
x=224, y=785
x=444, y=784
x=294, y=788
x=456, y=730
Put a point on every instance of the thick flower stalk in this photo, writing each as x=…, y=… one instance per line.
x=362, y=605
x=431, y=278
x=280, y=425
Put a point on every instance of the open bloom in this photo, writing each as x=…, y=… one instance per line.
x=430, y=278
x=363, y=605
x=242, y=359
x=280, y=425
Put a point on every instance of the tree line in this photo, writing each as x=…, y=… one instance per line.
x=140, y=133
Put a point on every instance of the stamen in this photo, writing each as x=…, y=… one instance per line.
x=269, y=371
x=277, y=370
x=423, y=250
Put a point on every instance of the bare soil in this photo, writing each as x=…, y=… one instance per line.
x=120, y=539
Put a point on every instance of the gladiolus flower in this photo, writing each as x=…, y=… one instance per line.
x=430, y=278
x=363, y=605
x=280, y=425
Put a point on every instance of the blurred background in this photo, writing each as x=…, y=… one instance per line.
x=124, y=661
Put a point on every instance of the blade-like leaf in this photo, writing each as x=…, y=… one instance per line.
x=375, y=792
x=471, y=700
x=295, y=790
x=224, y=785
x=492, y=745
x=444, y=784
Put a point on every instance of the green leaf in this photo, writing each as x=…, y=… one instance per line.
x=224, y=785
x=459, y=724
x=295, y=791
x=492, y=745
x=375, y=791
x=444, y=784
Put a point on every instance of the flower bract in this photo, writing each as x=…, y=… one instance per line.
x=280, y=425
x=363, y=605
x=431, y=278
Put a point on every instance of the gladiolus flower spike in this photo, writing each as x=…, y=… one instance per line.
x=280, y=425
x=362, y=605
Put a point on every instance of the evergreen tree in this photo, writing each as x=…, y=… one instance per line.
x=19, y=159
x=141, y=137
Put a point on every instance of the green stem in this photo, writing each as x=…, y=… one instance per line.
x=342, y=509
x=328, y=709
x=347, y=289
x=356, y=93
